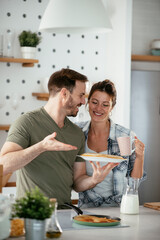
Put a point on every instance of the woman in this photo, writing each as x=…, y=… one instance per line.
x=101, y=137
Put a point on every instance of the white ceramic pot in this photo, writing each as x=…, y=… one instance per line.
x=28, y=52
x=155, y=44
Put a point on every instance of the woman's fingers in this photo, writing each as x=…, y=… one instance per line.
x=139, y=144
x=93, y=165
x=99, y=173
x=139, y=147
x=110, y=166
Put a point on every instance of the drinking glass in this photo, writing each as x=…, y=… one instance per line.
x=1, y=45
x=9, y=43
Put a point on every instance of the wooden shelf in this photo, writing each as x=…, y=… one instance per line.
x=146, y=58
x=44, y=96
x=41, y=96
x=4, y=127
x=25, y=62
x=10, y=184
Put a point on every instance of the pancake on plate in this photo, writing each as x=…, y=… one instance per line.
x=94, y=219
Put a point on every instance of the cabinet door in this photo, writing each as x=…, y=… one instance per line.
x=145, y=121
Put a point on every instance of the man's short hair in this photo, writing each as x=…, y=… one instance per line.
x=65, y=78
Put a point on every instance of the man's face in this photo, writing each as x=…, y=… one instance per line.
x=76, y=99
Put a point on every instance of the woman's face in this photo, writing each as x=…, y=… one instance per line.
x=100, y=105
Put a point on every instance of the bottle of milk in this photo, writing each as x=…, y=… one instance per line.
x=130, y=200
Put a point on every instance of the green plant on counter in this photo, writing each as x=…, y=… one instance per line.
x=34, y=205
x=29, y=39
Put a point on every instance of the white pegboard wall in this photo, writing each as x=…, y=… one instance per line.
x=85, y=53
x=82, y=52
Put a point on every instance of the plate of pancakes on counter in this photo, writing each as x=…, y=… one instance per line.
x=97, y=220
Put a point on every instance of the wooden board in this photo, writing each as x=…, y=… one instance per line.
x=153, y=205
x=1, y=177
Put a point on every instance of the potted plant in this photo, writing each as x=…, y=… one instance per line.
x=35, y=208
x=28, y=41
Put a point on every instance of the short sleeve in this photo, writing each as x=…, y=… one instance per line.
x=18, y=132
x=81, y=150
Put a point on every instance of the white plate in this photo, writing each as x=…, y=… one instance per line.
x=102, y=159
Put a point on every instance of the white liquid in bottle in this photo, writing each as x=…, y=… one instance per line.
x=130, y=204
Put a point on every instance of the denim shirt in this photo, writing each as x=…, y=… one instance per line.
x=121, y=173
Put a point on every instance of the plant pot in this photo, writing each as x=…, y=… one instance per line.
x=28, y=52
x=35, y=229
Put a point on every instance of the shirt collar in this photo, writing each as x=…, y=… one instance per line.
x=112, y=133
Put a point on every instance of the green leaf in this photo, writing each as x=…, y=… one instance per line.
x=29, y=39
x=34, y=205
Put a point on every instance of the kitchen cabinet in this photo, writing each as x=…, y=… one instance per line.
x=25, y=62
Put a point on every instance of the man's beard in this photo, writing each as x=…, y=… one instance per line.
x=72, y=108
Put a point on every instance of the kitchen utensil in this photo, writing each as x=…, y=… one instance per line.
x=100, y=224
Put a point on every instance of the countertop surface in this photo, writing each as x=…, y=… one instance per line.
x=144, y=226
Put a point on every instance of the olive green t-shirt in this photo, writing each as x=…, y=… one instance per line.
x=51, y=171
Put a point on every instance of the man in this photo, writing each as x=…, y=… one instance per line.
x=42, y=145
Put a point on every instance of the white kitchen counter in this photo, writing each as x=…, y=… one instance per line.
x=145, y=226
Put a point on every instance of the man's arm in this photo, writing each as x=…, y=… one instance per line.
x=84, y=182
x=14, y=157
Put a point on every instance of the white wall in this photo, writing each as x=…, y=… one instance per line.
x=98, y=56
x=118, y=58
x=146, y=25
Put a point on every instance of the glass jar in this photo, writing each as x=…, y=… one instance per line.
x=17, y=227
x=130, y=200
x=53, y=228
x=17, y=224
x=5, y=211
x=9, y=43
